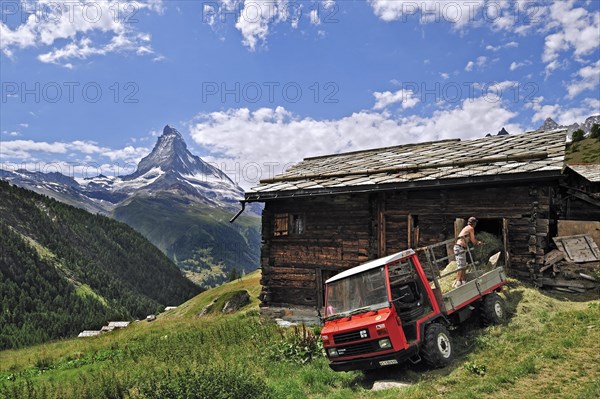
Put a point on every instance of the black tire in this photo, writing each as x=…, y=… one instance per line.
x=436, y=348
x=493, y=309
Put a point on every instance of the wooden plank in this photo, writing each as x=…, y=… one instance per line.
x=557, y=282
x=553, y=256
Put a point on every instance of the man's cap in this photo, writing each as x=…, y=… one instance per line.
x=472, y=220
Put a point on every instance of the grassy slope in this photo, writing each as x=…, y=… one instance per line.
x=586, y=151
x=550, y=348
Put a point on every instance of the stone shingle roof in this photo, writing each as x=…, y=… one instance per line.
x=590, y=171
x=420, y=163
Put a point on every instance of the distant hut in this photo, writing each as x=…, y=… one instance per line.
x=89, y=333
x=118, y=324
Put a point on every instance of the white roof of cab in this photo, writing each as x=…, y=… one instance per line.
x=371, y=265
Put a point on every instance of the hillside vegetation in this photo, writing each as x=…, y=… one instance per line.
x=550, y=348
x=63, y=270
x=584, y=151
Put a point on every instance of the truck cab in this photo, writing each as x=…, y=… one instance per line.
x=388, y=311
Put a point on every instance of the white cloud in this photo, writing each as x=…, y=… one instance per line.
x=84, y=49
x=25, y=125
x=24, y=150
x=563, y=116
x=577, y=31
x=502, y=46
x=566, y=26
x=255, y=19
x=593, y=104
x=328, y=4
x=10, y=133
x=209, y=14
x=516, y=65
x=314, y=17
x=240, y=138
x=445, y=75
x=480, y=62
x=129, y=154
x=458, y=13
x=590, y=79
x=53, y=22
x=405, y=97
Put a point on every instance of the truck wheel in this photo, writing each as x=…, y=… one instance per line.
x=493, y=309
x=436, y=349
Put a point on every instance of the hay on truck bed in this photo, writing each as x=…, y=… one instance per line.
x=484, y=254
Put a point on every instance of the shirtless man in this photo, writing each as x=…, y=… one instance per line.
x=460, y=250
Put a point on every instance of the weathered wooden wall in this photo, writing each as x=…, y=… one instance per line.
x=343, y=231
x=338, y=235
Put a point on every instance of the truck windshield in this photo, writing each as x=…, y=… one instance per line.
x=357, y=293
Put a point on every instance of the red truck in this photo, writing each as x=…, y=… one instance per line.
x=391, y=310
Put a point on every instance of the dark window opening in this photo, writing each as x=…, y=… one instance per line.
x=492, y=226
x=298, y=224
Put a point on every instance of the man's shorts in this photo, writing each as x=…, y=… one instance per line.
x=460, y=255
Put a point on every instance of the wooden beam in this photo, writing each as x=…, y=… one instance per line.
x=584, y=197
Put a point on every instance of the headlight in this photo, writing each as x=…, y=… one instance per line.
x=385, y=343
x=332, y=352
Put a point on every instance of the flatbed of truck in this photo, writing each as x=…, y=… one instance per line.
x=474, y=289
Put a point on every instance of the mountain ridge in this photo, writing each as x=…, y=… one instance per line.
x=586, y=126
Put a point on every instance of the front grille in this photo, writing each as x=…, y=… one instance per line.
x=359, y=349
x=351, y=336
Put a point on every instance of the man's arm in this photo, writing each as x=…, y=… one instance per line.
x=472, y=237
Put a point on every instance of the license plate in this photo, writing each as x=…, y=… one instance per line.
x=388, y=362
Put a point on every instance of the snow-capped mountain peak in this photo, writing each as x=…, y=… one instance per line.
x=170, y=169
x=171, y=154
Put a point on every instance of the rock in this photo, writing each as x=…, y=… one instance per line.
x=285, y=323
x=207, y=308
x=237, y=301
x=389, y=384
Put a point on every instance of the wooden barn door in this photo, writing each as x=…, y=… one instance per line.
x=458, y=226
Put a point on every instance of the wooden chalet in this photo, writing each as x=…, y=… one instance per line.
x=330, y=213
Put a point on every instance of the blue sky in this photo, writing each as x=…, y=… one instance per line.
x=255, y=85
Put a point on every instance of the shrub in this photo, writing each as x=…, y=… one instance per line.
x=578, y=135
x=595, y=131
x=212, y=383
x=475, y=368
x=300, y=346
